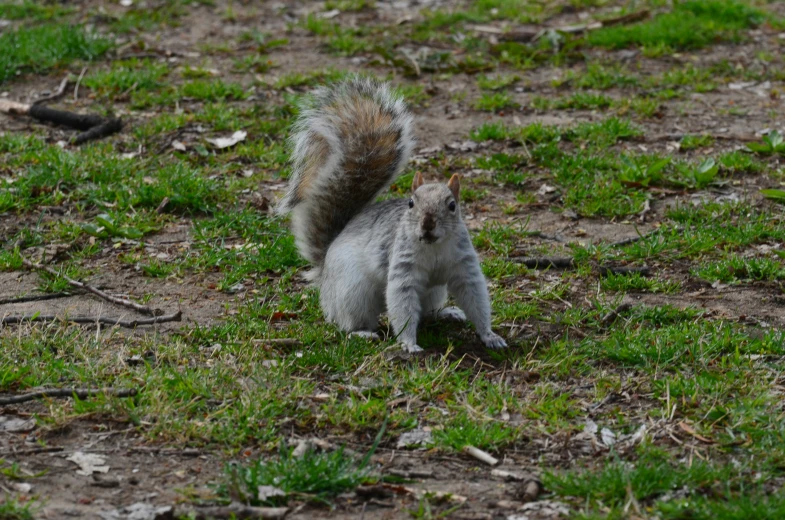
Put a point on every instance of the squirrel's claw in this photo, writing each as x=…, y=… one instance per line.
x=493, y=340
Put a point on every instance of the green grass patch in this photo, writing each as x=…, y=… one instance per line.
x=691, y=24
x=651, y=476
x=738, y=269
x=693, y=142
x=14, y=508
x=314, y=475
x=125, y=77
x=497, y=82
x=43, y=47
x=496, y=102
x=29, y=10
x=463, y=430
x=636, y=282
x=97, y=176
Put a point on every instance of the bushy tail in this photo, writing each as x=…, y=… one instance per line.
x=349, y=143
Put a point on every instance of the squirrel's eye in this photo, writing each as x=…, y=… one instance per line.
x=411, y=203
x=451, y=205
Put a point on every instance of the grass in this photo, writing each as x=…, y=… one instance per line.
x=316, y=475
x=12, y=508
x=495, y=102
x=126, y=77
x=218, y=381
x=737, y=269
x=648, y=480
x=41, y=48
x=637, y=283
x=692, y=24
x=29, y=10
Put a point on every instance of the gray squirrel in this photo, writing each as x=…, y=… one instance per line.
x=350, y=142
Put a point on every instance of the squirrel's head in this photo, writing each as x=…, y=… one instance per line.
x=433, y=209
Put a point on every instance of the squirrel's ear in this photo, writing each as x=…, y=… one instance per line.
x=455, y=185
x=417, y=182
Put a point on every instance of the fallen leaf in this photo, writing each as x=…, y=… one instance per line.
x=88, y=463
x=418, y=437
x=608, y=437
x=268, y=492
x=226, y=142
x=16, y=425
x=687, y=428
x=22, y=487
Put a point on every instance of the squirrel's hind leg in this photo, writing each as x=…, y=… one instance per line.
x=352, y=302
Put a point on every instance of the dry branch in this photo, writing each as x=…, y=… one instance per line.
x=65, y=118
x=93, y=126
x=606, y=270
x=105, y=129
x=528, y=34
x=143, y=309
x=54, y=95
x=132, y=324
x=238, y=511
x=35, y=298
x=611, y=316
x=557, y=262
x=32, y=451
x=81, y=393
x=480, y=455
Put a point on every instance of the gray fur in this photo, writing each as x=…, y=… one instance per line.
x=375, y=257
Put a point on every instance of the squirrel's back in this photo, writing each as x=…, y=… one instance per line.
x=349, y=143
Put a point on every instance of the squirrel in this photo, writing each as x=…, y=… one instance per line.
x=349, y=143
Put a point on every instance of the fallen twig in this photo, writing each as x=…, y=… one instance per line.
x=35, y=298
x=644, y=211
x=557, y=262
x=611, y=316
x=162, y=206
x=606, y=270
x=143, y=309
x=480, y=455
x=414, y=473
x=105, y=129
x=92, y=125
x=65, y=118
x=627, y=18
x=528, y=34
x=54, y=95
x=79, y=82
x=187, y=452
x=9, y=320
x=32, y=451
x=281, y=342
x=716, y=137
x=81, y=393
x=238, y=511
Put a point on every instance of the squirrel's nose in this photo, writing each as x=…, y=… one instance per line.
x=428, y=223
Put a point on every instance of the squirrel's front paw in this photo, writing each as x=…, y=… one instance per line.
x=411, y=348
x=493, y=340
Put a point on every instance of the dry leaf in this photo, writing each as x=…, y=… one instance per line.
x=226, y=142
